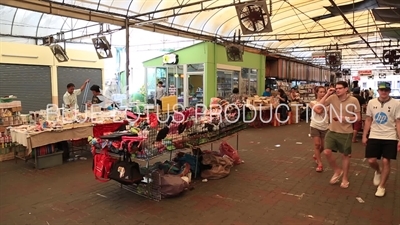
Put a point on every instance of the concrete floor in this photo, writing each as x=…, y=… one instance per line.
x=274, y=186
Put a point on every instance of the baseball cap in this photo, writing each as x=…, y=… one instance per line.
x=384, y=86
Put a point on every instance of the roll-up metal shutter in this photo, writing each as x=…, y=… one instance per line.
x=77, y=76
x=30, y=83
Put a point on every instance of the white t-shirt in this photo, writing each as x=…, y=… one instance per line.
x=159, y=93
x=71, y=100
x=319, y=121
x=384, y=117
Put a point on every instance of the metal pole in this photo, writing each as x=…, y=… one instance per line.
x=127, y=69
x=353, y=27
x=237, y=141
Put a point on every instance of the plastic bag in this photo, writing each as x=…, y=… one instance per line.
x=227, y=149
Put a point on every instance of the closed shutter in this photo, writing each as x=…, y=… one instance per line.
x=77, y=76
x=30, y=83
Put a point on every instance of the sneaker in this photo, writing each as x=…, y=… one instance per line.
x=380, y=192
x=377, y=179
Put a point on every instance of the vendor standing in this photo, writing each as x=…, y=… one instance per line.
x=70, y=97
x=98, y=98
x=267, y=92
x=160, y=92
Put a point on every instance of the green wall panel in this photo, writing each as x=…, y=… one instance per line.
x=191, y=55
x=217, y=55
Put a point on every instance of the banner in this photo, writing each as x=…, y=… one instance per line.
x=364, y=72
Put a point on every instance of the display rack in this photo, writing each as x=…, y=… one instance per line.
x=307, y=92
x=197, y=97
x=226, y=82
x=150, y=187
x=10, y=115
x=194, y=137
x=283, y=84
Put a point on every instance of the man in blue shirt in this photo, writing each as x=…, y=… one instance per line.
x=267, y=92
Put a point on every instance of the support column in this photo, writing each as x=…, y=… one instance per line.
x=54, y=85
x=127, y=72
x=185, y=86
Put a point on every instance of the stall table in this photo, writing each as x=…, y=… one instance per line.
x=34, y=140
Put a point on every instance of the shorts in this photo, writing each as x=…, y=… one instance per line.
x=338, y=142
x=357, y=126
x=314, y=132
x=377, y=148
x=159, y=102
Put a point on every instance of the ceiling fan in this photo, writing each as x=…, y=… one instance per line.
x=102, y=47
x=59, y=53
x=254, y=17
x=391, y=56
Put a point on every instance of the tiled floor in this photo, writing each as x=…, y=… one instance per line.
x=276, y=185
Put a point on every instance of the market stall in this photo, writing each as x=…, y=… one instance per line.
x=43, y=131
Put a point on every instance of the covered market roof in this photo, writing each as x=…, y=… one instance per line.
x=360, y=28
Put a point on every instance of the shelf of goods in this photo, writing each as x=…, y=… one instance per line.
x=10, y=115
x=307, y=92
x=150, y=137
x=284, y=85
x=226, y=82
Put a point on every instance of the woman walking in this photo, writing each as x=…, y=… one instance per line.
x=318, y=126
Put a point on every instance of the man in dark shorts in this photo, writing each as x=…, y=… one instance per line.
x=357, y=126
x=383, y=125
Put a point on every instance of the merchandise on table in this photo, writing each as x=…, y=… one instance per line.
x=258, y=101
x=50, y=120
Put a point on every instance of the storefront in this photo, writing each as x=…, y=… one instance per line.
x=283, y=73
x=203, y=71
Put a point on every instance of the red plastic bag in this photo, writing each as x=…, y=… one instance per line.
x=102, y=166
x=153, y=120
x=227, y=149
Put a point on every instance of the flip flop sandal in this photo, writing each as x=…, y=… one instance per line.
x=344, y=185
x=335, y=178
x=319, y=169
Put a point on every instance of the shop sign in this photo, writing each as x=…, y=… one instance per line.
x=356, y=78
x=364, y=72
x=171, y=59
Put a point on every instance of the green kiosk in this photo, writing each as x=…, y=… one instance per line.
x=205, y=70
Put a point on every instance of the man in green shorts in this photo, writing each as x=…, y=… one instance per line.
x=344, y=111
